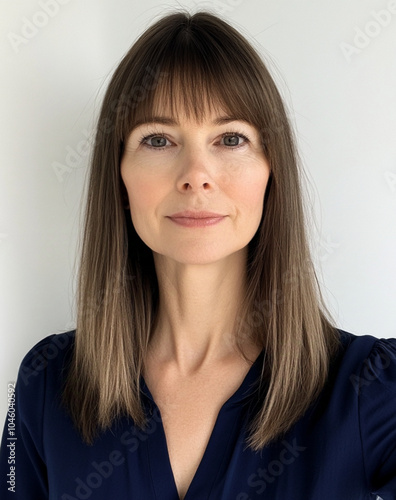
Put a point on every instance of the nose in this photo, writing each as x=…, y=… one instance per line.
x=197, y=170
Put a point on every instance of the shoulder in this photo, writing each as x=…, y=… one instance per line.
x=39, y=384
x=362, y=343
x=49, y=354
x=373, y=379
x=368, y=360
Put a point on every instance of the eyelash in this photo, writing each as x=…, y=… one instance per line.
x=160, y=134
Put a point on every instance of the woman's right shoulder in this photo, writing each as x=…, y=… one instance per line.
x=49, y=354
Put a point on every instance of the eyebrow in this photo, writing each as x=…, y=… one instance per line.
x=167, y=120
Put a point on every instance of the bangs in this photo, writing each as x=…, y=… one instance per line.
x=192, y=71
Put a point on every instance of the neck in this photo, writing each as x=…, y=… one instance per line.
x=198, y=306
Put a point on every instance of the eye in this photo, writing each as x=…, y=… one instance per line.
x=158, y=140
x=232, y=139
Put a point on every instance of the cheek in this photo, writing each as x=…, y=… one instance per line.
x=249, y=192
x=143, y=192
x=143, y=200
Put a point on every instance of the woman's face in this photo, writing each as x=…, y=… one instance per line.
x=216, y=166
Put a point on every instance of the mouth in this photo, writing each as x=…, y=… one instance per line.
x=190, y=214
x=197, y=219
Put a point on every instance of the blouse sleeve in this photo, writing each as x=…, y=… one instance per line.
x=22, y=462
x=377, y=418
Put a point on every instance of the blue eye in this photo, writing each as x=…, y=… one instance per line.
x=231, y=140
x=232, y=136
x=159, y=141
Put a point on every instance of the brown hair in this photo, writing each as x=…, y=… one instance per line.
x=197, y=60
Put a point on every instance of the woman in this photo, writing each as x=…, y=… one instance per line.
x=204, y=364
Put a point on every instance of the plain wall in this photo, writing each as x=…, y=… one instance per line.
x=334, y=63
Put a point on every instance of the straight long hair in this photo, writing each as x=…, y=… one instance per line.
x=198, y=62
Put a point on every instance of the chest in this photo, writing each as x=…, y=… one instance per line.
x=189, y=410
x=187, y=432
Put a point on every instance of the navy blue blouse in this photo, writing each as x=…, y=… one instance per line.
x=343, y=448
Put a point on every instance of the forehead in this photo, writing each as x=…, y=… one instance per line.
x=180, y=110
x=198, y=101
x=165, y=116
x=196, y=96
x=176, y=112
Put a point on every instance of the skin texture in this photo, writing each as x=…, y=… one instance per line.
x=200, y=270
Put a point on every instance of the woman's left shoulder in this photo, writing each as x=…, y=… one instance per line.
x=374, y=381
x=372, y=361
x=366, y=373
x=380, y=365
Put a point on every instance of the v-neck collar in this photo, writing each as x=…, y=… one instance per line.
x=220, y=441
x=243, y=391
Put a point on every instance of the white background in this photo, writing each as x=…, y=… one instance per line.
x=339, y=84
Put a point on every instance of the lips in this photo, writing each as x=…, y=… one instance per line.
x=194, y=218
x=191, y=214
